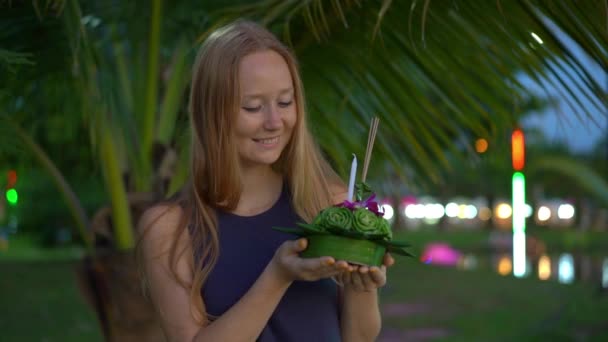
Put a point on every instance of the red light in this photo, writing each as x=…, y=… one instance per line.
x=11, y=177
x=517, y=149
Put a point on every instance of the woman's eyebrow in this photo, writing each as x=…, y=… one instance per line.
x=286, y=90
x=254, y=96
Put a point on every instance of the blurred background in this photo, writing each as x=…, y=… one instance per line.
x=491, y=156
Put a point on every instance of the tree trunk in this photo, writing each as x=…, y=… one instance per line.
x=111, y=284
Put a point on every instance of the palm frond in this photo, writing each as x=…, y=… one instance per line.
x=447, y=70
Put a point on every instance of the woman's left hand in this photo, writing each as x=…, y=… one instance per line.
x=364, y=278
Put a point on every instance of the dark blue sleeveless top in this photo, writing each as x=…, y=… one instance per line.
x=307, y=312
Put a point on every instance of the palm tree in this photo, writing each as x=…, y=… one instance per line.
x=432, y=72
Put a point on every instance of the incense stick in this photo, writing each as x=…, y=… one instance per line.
x=370, y=146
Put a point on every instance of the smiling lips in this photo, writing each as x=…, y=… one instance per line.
x=270, y=142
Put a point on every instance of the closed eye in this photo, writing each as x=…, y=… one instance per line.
x=252, y=109
x=285, y=104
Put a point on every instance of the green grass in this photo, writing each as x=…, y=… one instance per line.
x=484, y=306
x=23, y=247
x=556, y=240
x=40, y=300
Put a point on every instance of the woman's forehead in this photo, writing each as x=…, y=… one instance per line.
x=264, y=72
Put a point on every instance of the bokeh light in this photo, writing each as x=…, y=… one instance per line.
x=544, y=268
x=565, y=211
x=503, y=211
x=11, y=196
x=485, y=213
x=543, y=213
x=529, y=210
x=536, y=37
x=451, y=209
x=565, y=267
x=504, y=266
x=481, y=145
x=388, y=210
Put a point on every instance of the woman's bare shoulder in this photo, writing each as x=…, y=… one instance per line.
x=163, y=216
x=158, y=225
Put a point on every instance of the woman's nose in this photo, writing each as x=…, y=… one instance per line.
x=272, y=119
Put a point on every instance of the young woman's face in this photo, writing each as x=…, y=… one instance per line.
x=267, y=111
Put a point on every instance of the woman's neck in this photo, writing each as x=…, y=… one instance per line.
x=261, y=189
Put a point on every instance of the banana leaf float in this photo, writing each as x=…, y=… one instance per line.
x=355, y=232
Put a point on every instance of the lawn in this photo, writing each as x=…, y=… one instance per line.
x=423, y=301
x=40, y=302
x=590, y=242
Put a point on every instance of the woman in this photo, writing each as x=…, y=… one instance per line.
x=214, y=268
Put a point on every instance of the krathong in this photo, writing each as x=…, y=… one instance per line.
x=354, y=230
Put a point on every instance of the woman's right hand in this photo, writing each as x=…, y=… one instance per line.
x=290, y=266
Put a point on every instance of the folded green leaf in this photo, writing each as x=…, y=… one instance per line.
x=398, y=243
x=374, y=237
x=312, y=227
x=394, y=247
x=399, y=251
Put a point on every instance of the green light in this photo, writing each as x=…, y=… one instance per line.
x=12, y=197
x=519, y=202
x=519, y=224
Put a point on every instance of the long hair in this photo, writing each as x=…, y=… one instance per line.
x=215, y=181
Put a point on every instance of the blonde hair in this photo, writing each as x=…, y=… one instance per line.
x=215, y=171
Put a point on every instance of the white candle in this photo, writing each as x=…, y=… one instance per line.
x=351, y=181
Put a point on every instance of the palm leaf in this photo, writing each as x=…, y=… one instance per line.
x=580, y=173
x=448, y=73
x=74, y=205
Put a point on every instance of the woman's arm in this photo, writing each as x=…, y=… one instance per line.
x=246, y=319
x=360, y=313
x=361, y=320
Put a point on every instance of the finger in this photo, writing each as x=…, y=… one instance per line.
x=316, y=265
x=299, y=245
x=356, y=281
x=388, y=260
x=327, y=273
x=325, y=264
x=293, y=247
x=378, y=275
x=346, y=278
x=366, y=279
x=342, y=265
x=315, y=269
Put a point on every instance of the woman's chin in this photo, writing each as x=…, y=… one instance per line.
x=261, y=161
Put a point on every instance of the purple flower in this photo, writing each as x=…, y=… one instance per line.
x=369, y=204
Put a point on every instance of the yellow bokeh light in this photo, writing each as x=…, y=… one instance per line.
x=544, y=267
x=503, y=211
x=462, y=211
x=481, y=145
x=504, y=266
